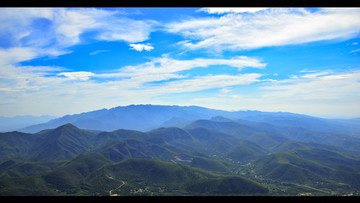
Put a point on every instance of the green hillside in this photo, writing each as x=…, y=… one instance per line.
x=85, y=176
x=27, y=186
x=212, y=141
x=209, y=164
x=14, y=144
x=309, y=166
x=227, y=185
x=62, y=143
x=246, y=151
x=68, y=177
x=20, y=168
x=132, y=148
x=152, y=177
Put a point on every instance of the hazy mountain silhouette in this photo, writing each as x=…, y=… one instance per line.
x=147, y=117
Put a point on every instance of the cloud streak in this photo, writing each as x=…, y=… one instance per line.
x=80, y=75
x=165, y=68
x=223, y=10
x=207, y=82
x=97, y=52
x=271, y=27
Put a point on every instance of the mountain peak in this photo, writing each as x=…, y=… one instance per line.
x=220, y=119
x=67, y=126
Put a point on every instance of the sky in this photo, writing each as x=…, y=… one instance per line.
x=59, y=61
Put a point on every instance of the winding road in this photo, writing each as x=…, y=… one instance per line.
x=110, y=191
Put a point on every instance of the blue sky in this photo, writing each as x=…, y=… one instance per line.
x=58, y=61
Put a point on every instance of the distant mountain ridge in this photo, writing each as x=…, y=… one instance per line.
x=147, y=117
x=133, y=117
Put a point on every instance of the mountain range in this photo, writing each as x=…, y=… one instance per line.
x=174, y=150
x=147, y=117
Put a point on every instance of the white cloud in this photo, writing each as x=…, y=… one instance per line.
x=16, y=78
x=62, y=27
x=16, y=23
x=109, y=25
x=324, y=93
x=222, y=10
x=225, y=90
x=354, y=51
x=80, y=75
x=141, y=47
x=169, y=65
x=206, y=82
x=126, y=29
x=271, y=27
x=38, y=90
x=167, y=71
x=16, y=54
x=31, y=33
x=165, y=68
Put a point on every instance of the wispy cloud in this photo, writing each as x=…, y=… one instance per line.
x=172, y=67
x=314, y=92
x=160, y=76
x=109, y=25
x=323, y=93
x=80, y=75
x=271, y=27
x=97, y=52
x=354, y=51
x=208, y=82
x=222, y=10
x=56, y=29
x=30, y=33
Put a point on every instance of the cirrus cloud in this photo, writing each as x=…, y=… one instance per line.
x=167, y=68
x=271, y=27
x=223, y=10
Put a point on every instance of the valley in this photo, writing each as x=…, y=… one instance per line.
x=215, y=153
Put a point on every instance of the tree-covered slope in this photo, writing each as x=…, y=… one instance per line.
x=310, y=165
x=164, y=178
